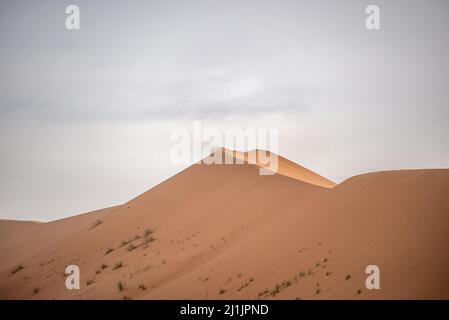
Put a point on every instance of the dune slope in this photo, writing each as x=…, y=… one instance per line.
x=225, y=232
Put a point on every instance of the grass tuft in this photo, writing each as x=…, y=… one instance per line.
x=118, y=265
x=17, y=269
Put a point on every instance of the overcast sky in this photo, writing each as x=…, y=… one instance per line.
x=86, y=115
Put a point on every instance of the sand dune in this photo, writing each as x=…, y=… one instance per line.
x=226, y=232
x=284, y=166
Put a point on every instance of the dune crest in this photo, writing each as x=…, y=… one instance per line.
x=284, y=166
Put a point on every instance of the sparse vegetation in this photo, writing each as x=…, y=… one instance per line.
x=95, y=224
x=275, y=290
x=36, y=290
x=221, y=291
x=118, y=265
x=109, y=251
x=318, y=291
x=142, y=286
x=302, y=274
x=89, y=282
x=126, y=298
x=131, y=247
x=148, y=239
x=120, y=286
x=147, y=236
x=348, y=276
x=359, y=291
x=17, y=269
x=246, y=284
x=147, y=233
x=103, y=266
x=125, y=242
x=262, y=293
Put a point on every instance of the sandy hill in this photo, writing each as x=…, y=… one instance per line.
x=284, y=166
x=226, y=232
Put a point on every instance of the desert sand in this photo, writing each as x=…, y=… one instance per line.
x=226, y=232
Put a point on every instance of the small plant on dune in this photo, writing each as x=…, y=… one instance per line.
x=126, y=298
x=147, y=236
x=348, y=276
x=318, y=290
x=109, y=251
x=103, y=266
x=328, y=273
x=17, y=269
x=302, y=274
x=221, y=291
x=142, y=286
x=262, y=293
x=148, y=239
x=95, y=224
x=36, y=290
x=276, y=289
x=120, y=286
x=325, y=260
x=147, y=233
x=137, y=237
x=125, y=242
x=118, y=265
x=359, y=291
x=89, y=282
x=131, y=247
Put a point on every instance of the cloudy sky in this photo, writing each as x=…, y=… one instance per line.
x=86, y=115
